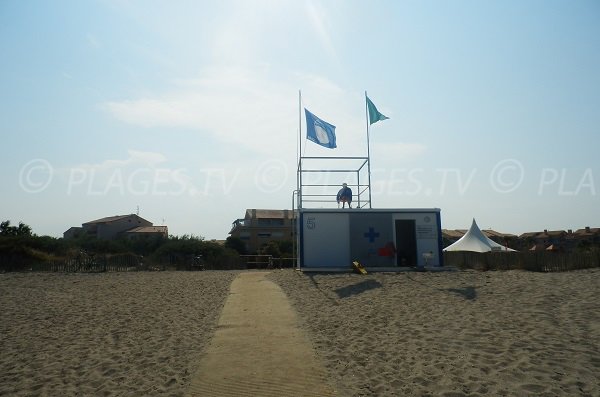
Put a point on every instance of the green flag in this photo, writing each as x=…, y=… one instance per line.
x=374, y=115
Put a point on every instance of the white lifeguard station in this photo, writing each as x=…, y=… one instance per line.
x=330, y=238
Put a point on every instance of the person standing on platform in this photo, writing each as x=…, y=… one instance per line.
x=345, y=196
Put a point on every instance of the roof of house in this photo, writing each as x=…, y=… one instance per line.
x=554, y=232
x=149, y=229
x=271, y=214
x=588, y=231
x=456, y=233
x=529, y=234
x=109, y=219
x=493, y=233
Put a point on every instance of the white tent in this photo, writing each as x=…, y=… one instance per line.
x=475, y=240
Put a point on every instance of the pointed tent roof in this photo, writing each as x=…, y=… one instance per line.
x=475, y=240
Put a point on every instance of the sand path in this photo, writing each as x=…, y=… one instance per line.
x=258, y=348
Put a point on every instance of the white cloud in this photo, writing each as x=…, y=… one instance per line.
x=318, y=18
x=140, y=174
x=253, y=114
x=147, y=112
x=237, y=98
x=242, y=107
x=250, y=105
x=135, y=158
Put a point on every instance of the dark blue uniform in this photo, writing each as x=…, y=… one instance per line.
x=345, y=195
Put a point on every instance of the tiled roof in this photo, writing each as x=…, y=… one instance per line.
x=529, y=234
x=554, y=232
x=108, y=219
x=271, y=214
x=148, y=229
x=592, y=230
x=493, y=233
x=453, y=233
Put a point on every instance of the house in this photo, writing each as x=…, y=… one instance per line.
x=73, y=232
x=261, y=226
x=589, y=234
x=498, y=236
x=548, y=240
x=506, y=239
x=450, y=236
x=588, y=237
x=112, y=227
x=528, y=241
x=145, y=231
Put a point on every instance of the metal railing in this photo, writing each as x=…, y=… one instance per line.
x=310, y=191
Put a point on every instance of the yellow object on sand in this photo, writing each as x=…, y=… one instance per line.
x=359, y=268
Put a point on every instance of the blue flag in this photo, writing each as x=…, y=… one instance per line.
x=319, y=131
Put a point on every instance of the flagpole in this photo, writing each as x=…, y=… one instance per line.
x=368, y=149
x=299, y=155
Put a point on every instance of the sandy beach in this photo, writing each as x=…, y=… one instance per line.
x=110, y=334
x=462, y=333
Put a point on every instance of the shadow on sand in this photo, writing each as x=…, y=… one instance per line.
x=357, y=288
x=469, y=293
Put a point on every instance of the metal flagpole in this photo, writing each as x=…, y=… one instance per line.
x=298, y=251
x=299, y=175
x=368, y=148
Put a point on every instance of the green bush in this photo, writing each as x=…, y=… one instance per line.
x=20, y=248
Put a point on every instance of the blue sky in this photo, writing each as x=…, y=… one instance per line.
x=189, y=109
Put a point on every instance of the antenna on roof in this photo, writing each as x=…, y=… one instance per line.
x=137, y=212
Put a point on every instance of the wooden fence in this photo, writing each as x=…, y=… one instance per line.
x=93, y=264
x=257, y=261
x=89, y=263
x=538, y=261
x=197, y=262
x=282, y=263
x=267, y=262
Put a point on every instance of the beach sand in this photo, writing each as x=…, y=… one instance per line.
x=462, y=333
x=110, y=334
